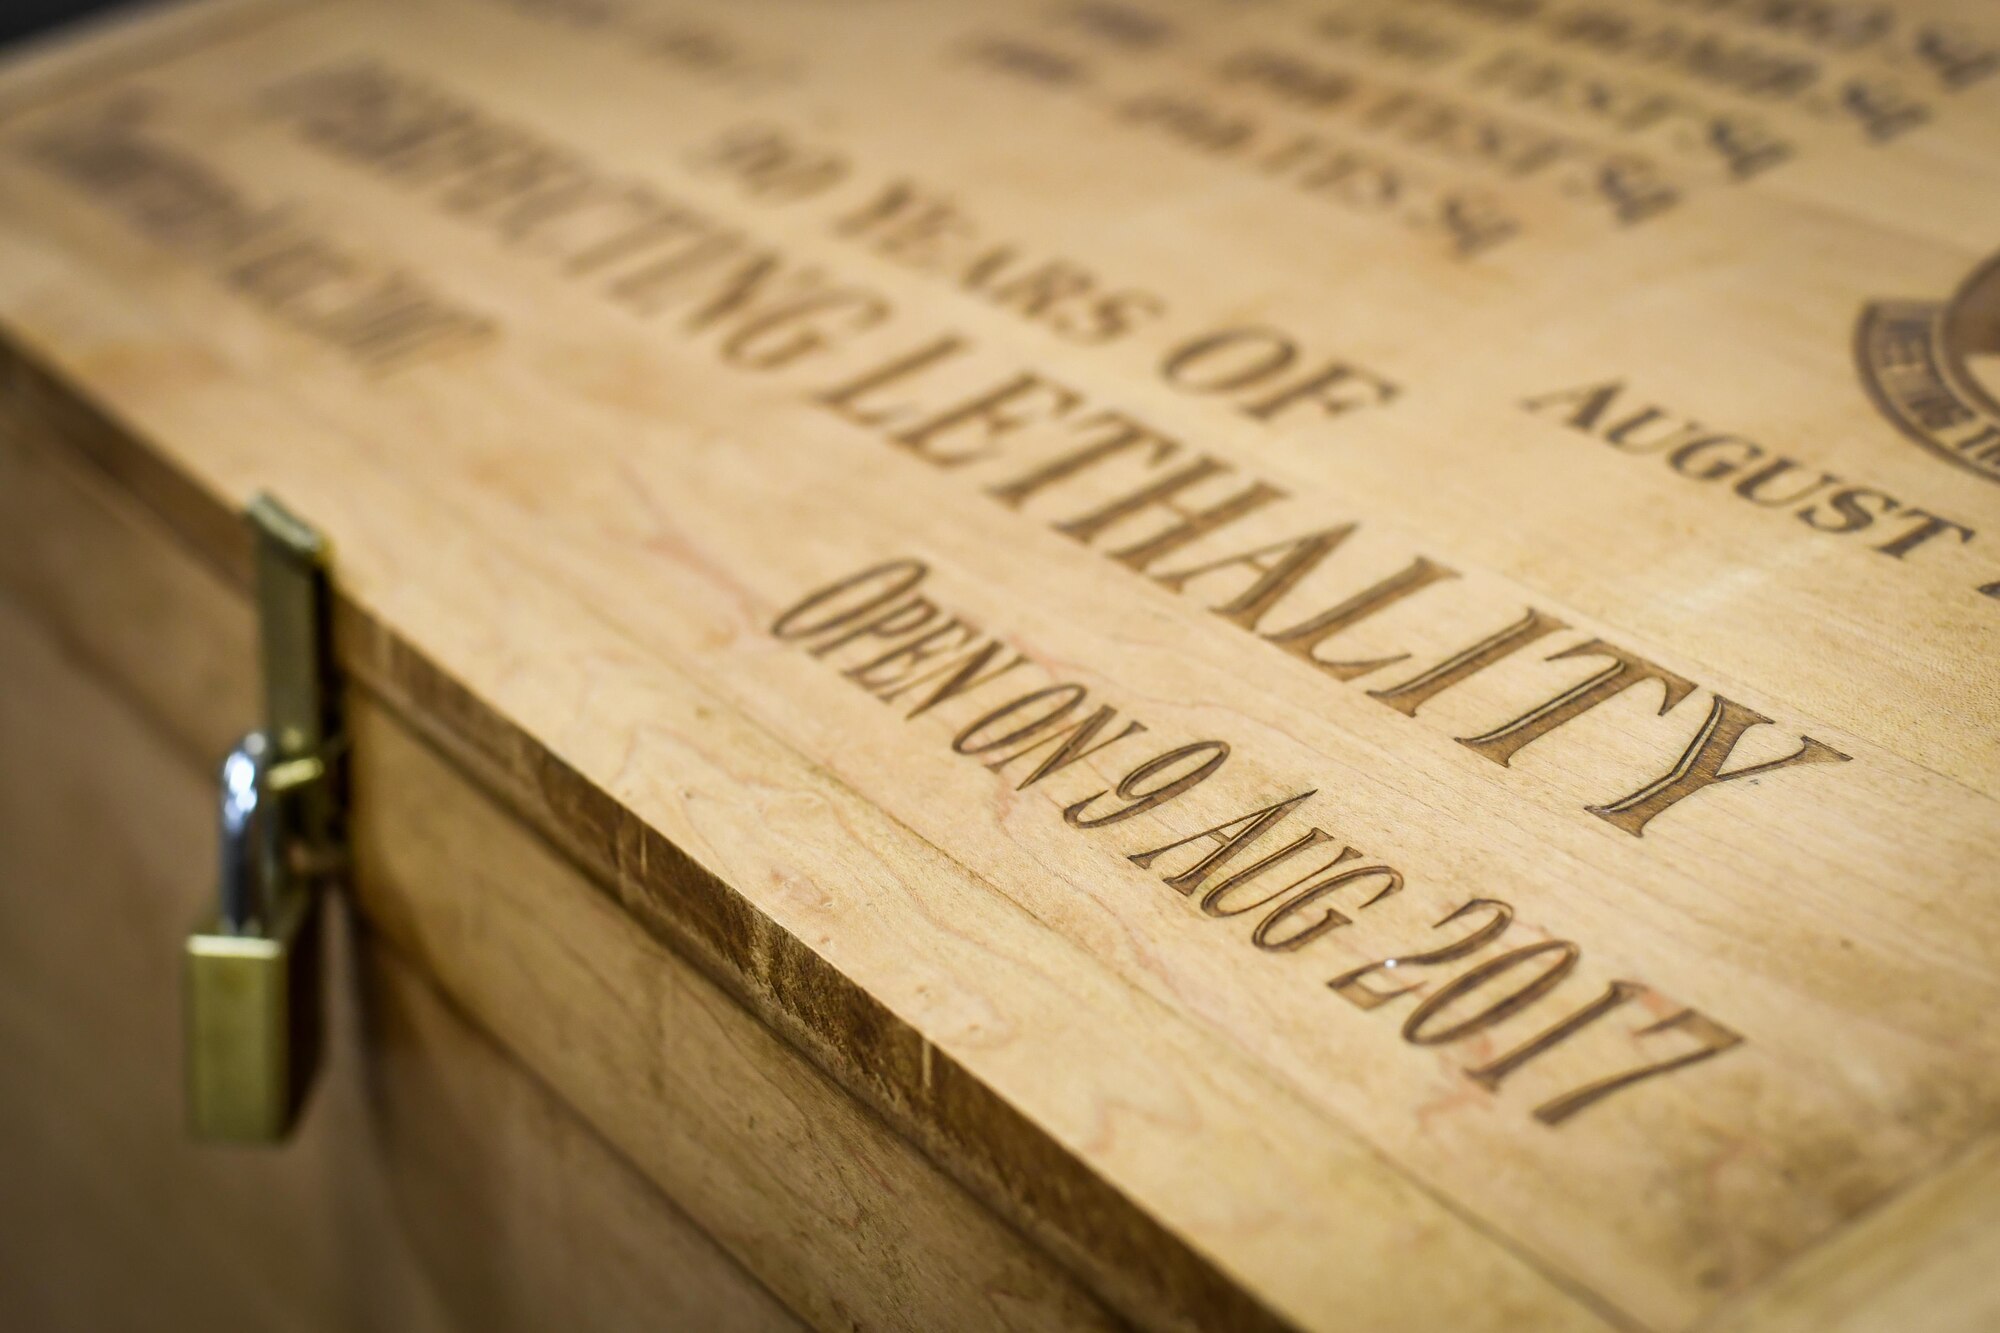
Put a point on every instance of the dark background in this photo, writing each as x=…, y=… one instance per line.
x=19, y=18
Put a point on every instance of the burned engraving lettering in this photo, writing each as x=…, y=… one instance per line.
x=1075, y=734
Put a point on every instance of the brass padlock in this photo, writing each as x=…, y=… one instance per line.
x=253, y=966
x=252, y=974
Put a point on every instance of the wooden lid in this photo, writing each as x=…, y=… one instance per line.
x=1346, y=659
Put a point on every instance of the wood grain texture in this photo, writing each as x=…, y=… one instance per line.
x=1436, y=465
x=1927, y=1261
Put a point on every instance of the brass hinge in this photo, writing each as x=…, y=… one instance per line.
x=253, y=964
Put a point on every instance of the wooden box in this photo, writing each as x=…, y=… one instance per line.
x=1161, y=663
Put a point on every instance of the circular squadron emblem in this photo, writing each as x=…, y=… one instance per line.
x=1933, y=368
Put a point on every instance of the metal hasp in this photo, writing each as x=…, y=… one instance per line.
x=253, y=965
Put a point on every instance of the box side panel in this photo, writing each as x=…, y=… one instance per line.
x=433, y=1184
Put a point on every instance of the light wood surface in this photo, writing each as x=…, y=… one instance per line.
x=684, y=333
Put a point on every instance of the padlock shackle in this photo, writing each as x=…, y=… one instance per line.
x=241, y=892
